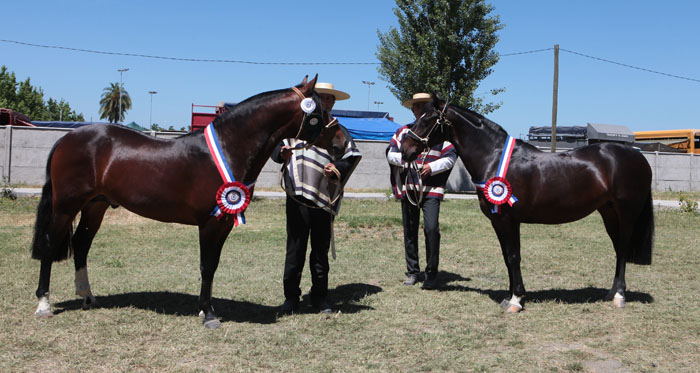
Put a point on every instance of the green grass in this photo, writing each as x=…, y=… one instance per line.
x=146, y=276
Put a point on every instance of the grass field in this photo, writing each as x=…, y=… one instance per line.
x=146, y=276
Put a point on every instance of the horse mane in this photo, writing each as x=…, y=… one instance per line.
x=491, y=125
x=486, y=122
x=244, y=108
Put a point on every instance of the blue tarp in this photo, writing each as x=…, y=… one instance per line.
x=369, y=128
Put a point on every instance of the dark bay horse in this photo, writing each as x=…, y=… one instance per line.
x=173, y=180
x=550, y=188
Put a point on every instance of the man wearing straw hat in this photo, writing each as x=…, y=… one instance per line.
x=314, y=182
x=420, y=188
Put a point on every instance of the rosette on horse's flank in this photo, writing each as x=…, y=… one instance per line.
x=232, y=197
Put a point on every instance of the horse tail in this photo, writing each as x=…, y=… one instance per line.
x=643, y=235
x=41, y=247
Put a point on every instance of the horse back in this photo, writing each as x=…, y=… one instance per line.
x=564, y=187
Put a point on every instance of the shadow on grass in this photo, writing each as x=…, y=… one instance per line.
x=342, y=298
x=566, y=296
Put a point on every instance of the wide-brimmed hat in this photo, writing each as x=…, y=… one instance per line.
x=327, y=88
x=417, y=97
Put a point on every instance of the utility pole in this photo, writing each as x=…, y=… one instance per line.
x=378, y=103
x=555, y=95
x=150, y=118
x=121, y=71
x=369, y=84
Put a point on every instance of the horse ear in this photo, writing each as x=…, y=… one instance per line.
x=306, y=78
x=437, y=101
x=309, y=86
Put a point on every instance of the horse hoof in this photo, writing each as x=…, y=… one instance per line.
x=212, y=324
x=90, y=304
x=43, y=314
x=514, y=308
x=619, y=302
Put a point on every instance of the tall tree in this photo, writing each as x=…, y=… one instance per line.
x=109, y=104
x=29, y=100
x=441, y=46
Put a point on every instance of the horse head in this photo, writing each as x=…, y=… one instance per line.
x=429, y=130
x=317, y=128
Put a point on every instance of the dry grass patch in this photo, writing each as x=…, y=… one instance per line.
x=146, y=276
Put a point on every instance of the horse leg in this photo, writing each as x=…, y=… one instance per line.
x=620, y=240
x=212, y=236
x=508, y=233
x=90, y=221
x=58, y=235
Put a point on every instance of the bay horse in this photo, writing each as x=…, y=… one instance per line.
x=548, y=188
x=169, y=180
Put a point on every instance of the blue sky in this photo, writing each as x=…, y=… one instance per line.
x=657, y=36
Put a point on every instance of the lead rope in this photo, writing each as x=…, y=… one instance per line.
x=420, y=191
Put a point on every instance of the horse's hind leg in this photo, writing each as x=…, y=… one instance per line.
x=90, y=221
x=58, y=237
x=620, y=234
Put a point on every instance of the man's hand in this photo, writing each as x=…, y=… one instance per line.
x=425, y=171
x=329, y=170
x=286, y=152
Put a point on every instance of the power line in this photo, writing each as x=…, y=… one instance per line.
x=519, y=53
x=323, y=63
x=630, y=66
x=185, y=59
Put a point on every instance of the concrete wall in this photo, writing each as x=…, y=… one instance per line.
x=24, y=150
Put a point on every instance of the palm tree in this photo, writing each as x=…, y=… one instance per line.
x=109, y=104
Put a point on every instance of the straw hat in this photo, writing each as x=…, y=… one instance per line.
x=327, y=88
x=417, y=97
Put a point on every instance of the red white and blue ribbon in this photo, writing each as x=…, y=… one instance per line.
x=497, y=190
x=232, y=197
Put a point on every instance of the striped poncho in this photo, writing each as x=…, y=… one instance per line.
x=303, y=174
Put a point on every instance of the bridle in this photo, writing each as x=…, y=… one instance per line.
x=444, y=124
x=311, y=119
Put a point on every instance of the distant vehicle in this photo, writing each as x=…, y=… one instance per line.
x=687, y=140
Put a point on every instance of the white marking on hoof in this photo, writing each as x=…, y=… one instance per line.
x=82, y=284
x=44, y=309
x=619, y=300
x=513, y=305
x=201, y=314
x=212, y=324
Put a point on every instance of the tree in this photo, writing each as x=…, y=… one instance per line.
x=109, y=104
x=443, y=47
x=29, y=100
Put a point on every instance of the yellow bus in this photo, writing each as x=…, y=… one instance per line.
x=687, y=140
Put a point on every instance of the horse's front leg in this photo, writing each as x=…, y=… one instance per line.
x=508, y=233
x=212, y=236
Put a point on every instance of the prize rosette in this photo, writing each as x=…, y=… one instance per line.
x=308, y=105
x=497, y=190
x=233, y=198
